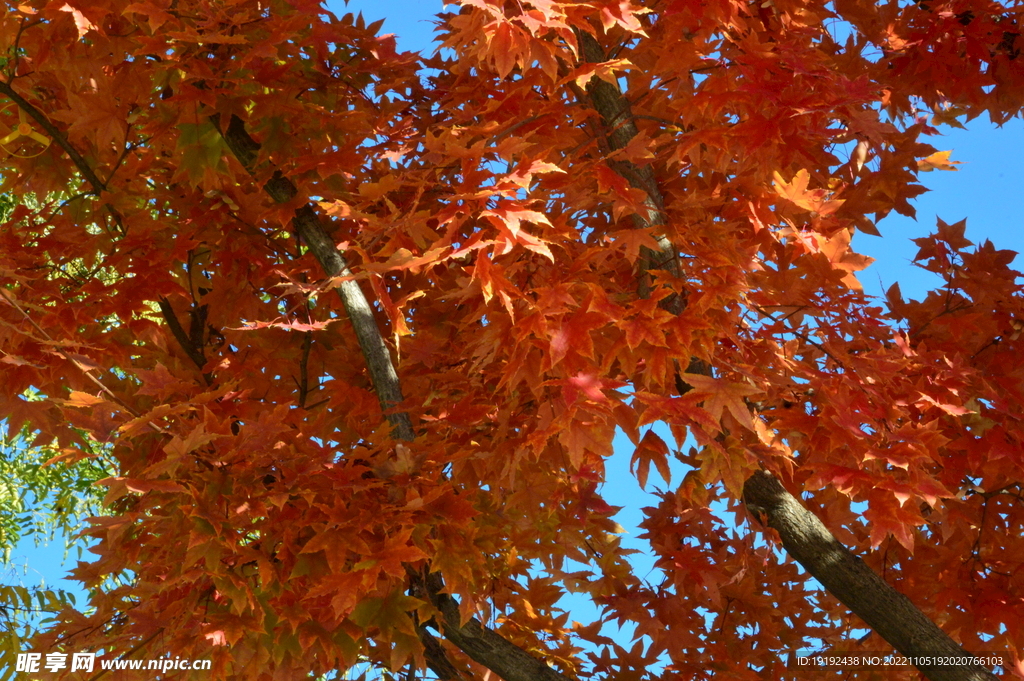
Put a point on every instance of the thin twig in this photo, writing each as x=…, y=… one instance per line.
x=83, y=368
x=307, y=345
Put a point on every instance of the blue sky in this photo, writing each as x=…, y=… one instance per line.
x=986, y=190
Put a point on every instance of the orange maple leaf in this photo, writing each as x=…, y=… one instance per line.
x=937, y=161
x=838, y=251
x=797, y=193
x=722, y=395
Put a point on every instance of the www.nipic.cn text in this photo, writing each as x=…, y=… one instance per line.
x=33, y=663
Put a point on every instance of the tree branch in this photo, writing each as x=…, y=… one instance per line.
x=307, y=345
x=849, y=579
x=620, y=128
x=98, y=185
x=608, y=100
x=193, y=349
x=360, y=313
x=437, y=658
x=62, y=353
x=480, y=643
x=845, y=576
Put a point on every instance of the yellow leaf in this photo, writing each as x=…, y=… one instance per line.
x=937, y=161
x=798, y=194
x=795, y=190
x=80, y=399
x=82, y=23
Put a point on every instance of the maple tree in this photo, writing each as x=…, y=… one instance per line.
x=357, y=327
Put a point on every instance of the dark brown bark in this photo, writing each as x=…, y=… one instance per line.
x=480, y=643
x=98, y=185
x=191, y=343
x=436, y=657
x=849, y=579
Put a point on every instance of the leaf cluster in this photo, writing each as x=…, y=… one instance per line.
x=568, y=223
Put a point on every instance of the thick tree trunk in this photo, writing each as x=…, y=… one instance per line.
x=849, y=579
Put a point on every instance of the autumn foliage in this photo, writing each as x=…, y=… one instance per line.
x=576, y=217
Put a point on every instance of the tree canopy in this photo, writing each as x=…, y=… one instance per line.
x=356, y=328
